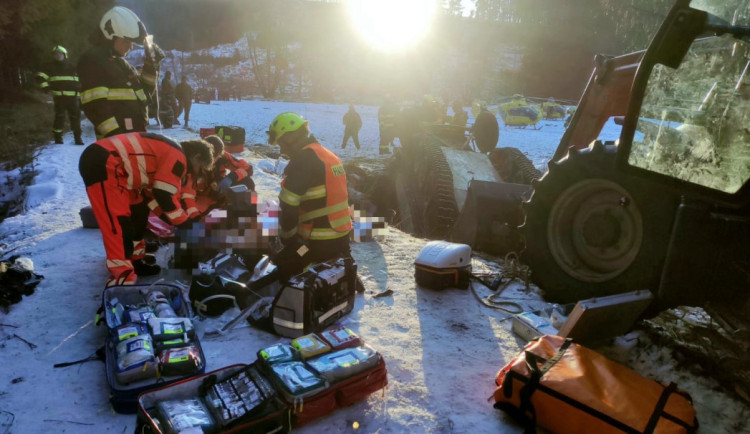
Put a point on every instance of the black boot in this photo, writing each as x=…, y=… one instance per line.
x=58, y=138
x=143, y=269
x=78, y=140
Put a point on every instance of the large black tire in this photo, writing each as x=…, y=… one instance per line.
x=591, y=231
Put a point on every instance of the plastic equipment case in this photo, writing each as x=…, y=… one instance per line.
x=441, y=265
x=123, y=391
x=233, y=137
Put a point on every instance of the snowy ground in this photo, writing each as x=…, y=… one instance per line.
x=442, y=349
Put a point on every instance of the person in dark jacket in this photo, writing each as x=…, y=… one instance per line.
x=114, y=96
x=184, y=94
x=314, y=220
x=460, y=117
x=59, y=77
x=352, y=125
x=485, y=130
x=387, y=122
x=167, y=101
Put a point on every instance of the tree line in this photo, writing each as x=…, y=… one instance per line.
x=535, y=47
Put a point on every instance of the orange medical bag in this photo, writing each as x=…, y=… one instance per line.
x=563, y=387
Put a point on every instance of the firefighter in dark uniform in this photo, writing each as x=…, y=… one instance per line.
x=122, y=174
x=114, y=96
x=59, y=77
x=314, y=219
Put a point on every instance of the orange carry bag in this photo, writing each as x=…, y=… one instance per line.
x=563, y=387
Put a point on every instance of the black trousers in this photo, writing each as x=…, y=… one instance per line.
x=186, y=104
x=67, y=105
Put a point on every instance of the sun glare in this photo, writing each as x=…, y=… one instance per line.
x=392, y=25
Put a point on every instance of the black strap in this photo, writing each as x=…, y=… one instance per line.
x=659, y=409
x=533, y=361
x=98, y=355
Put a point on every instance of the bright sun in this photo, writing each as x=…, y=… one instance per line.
x=392, y=25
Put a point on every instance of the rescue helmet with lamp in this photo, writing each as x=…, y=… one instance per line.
x=286, y=122
x=121, y=22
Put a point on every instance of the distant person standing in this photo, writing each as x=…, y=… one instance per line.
x=387, y=122
x=184, y=94
x=460, y=117
x=167, y=100
x=486, y=130
x=352, y=124
x=59, y=77
x=114, y=96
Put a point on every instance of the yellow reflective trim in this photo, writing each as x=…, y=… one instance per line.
x=111, y=263
x=176, y=213
x=63, y=78
x=188, y=196
x=320, y=212
x=139, y=158
x=140, y=94
x=289, y=198
x=327, y=234
x=341, y=222
x=64, y=92
x=43, y=75
x=121, y=95
x=89, y=95
x=314, y=193
x=153, y=204
x=107, y=126
x=43, y=85
x=192, y=210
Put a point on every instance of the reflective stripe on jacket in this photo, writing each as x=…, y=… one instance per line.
x=59, y=78
x=154, y=164
x=113, y=96
x=315, y=186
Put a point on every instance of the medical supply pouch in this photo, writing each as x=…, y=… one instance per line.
x=239, y=398
x=314, y=299
x=340, y=338
x=278, y=353
x=139, y=315
x=185, y=415
x=346, y=363
x=131, y=330
x=310, y=345
x=563, y=387
x=186, y=360
x=135, y=359
x=296, y=381
x=166, y=329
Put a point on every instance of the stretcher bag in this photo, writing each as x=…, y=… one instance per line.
x=441, y=265
x=314, y=299
x=126, y=312
x=239, y=398
x=563, y=387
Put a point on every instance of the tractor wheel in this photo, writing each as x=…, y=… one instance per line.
x=592, y=232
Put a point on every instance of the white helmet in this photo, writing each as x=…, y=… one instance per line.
x=123, y=23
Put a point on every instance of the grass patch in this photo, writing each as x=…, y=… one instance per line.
x=25, y=125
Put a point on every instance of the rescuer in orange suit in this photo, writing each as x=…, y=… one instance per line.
x=122, y=174
x=314, y=219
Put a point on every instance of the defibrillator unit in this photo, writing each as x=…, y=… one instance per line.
x=441, y=265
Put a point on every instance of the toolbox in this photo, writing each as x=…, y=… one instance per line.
x=441, y=265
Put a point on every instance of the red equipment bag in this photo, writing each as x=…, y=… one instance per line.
x=563, y=387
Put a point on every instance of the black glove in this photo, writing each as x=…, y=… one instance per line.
x=187, y=224
x=154, y=54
